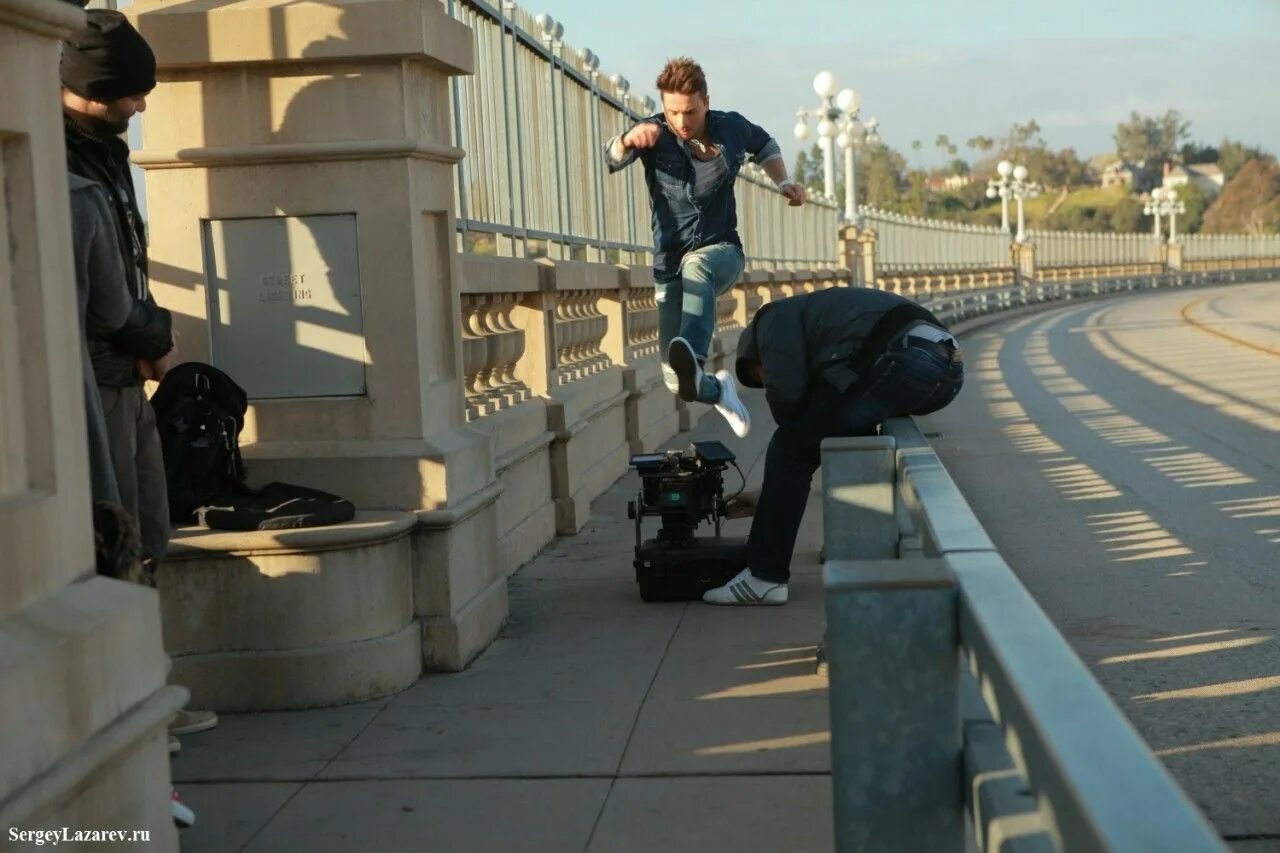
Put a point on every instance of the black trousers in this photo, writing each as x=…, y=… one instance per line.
x=912, y=377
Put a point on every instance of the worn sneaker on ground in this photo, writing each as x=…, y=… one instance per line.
x=747, y=589
x=188, y=722
x=731, y=406
x=684, y=362
x=183, y=816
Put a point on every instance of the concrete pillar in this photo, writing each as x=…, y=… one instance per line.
x=1173, y=257
x=858, y=515
x=301, y=195
x=83, y=706
x=867, y=254
x=1024, y=259
x=850, y=250
x=895, y=738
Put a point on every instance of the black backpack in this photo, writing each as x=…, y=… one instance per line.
x=199, y=414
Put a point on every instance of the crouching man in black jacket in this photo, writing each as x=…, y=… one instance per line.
x=833, y=363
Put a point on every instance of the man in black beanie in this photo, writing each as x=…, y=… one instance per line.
x=107, y=70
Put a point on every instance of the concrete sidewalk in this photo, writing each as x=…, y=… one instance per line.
x=595, y=722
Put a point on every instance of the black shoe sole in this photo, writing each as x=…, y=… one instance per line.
x=685, y=365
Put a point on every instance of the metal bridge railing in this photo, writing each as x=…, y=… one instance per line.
x=533, y=120
x=919, y=604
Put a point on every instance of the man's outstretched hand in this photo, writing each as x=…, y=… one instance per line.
x=743, y=506
x=643, y=135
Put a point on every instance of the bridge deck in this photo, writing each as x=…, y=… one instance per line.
x=1124, y=455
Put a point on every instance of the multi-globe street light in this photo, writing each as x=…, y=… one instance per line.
x=1165, y=202
x=1012, y=183
x=837, y=117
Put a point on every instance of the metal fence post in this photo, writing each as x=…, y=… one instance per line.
x=896, y=762
x=858, y=476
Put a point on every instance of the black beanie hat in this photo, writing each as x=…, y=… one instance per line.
x=107, y=59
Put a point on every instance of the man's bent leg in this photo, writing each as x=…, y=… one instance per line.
x=122, y=441
x=789, y=464
x=705, y=274
x=668, y=295
x=153, y=491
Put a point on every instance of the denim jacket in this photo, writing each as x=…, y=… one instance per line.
x=683, y=222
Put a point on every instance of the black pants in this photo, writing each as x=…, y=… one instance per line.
x=912, y=377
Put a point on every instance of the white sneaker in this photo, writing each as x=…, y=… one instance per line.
x=188, y=722
x=747, y=589
x=684, y=362
x=183, y=816
x=731, y=406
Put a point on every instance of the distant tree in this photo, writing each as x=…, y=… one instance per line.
x=880, y=171
x=1149, y=142
x=1022, y=141
x=1065, y=169
x=808, y=170
x=1127, y=215
x=1249, y=203
x=943, y=144
x=981, y=144
x=916, y=146
x=1194, y=152
x=957, y=167
x=1232, y=155
x=916, y=202
x=1196, y=203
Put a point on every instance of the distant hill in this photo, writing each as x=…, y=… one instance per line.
x=1249, y=203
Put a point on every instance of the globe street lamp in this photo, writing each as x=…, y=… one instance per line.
x=1165, y=202
x=1001, y=188
x=1012, y=183
x=1022, y=190
x=837, y=105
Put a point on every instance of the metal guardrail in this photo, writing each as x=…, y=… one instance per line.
x=959, y=305
x=918, y=601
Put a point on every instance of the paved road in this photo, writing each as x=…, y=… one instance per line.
x=1125, y=457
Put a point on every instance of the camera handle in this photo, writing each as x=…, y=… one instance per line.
x=634, y=510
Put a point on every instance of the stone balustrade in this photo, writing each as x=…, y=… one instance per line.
x=492, y=346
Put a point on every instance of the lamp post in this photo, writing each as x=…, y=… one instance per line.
x=1165, y=202
x=853, y=134
x=1023, y=190
x=1001, y=188
x=839, y=107
x=1012, y=183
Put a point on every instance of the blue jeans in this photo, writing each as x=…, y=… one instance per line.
x=910, y=378
x=687, y=307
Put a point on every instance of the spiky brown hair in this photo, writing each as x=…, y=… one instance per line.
x=682, y=76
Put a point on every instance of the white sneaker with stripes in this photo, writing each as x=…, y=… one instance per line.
x=747, y=589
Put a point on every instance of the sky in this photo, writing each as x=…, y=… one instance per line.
x=926, y=67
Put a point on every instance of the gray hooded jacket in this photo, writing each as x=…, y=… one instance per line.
x=147, y=329
x=103, y=303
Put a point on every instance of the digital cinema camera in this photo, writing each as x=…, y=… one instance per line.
x=685, y=488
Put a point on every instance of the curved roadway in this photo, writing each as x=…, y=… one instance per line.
x=1125, y=457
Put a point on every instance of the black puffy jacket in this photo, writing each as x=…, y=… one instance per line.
x=829, y=335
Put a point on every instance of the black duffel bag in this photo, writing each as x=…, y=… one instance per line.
x=199, y=414
x=276, y=506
